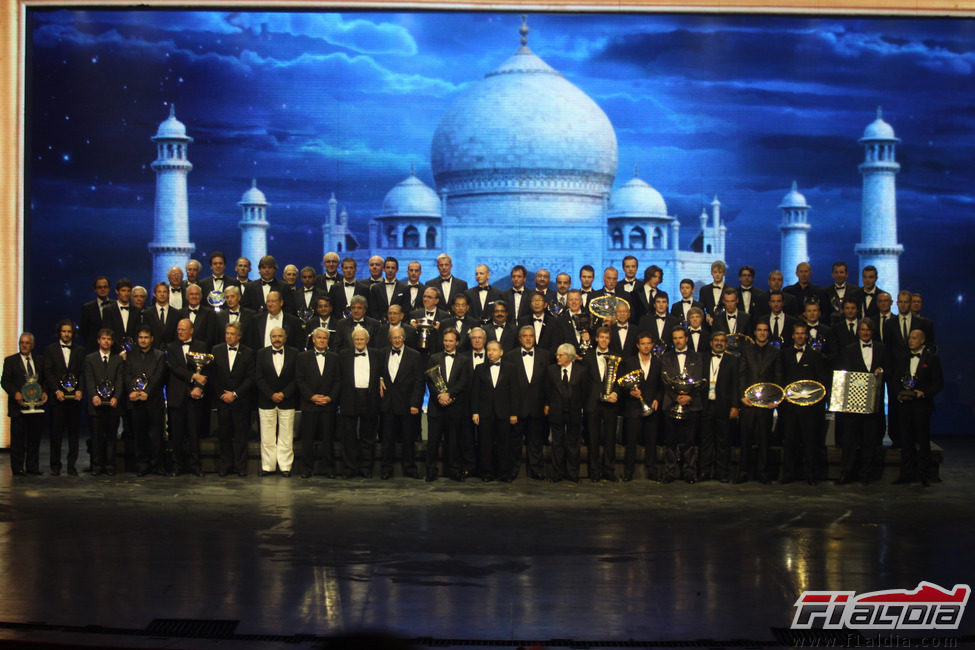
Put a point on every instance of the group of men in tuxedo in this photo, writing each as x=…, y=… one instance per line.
x=503, y=368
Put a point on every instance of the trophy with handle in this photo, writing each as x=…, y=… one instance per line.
x=632, y=380
x=612, y=365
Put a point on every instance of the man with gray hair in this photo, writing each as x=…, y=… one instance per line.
x=319, y=383
x=566, y=390
x=25, y=428
x=401, y=394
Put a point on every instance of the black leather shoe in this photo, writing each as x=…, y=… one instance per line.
x=94, y=471
x=286, y=473
x=72, y=471
x=56, y=471
x=386, y=476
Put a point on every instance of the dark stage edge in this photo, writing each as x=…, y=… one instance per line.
x=127, y=562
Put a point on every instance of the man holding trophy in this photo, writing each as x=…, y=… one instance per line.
x=186, y=358
x=602, y=408
x=103, y=385
x=682, y=372
x=144, y=372
x=64, y=367
x=21, y=380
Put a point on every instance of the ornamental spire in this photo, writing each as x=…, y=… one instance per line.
x=523, y=30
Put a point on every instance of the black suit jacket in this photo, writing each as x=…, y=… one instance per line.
x=640, y=303
x=677, y=308
x=15, y=376
x=409, y=304
x=306, y=300
x=325, y=283
x=566, y=403
x=721, y=323
x=651, y=387
x=807, y=293
x=406, y=391
x=929, y=377
x=474, y=299
x=257, y=329
x=488, y=400
x=330, y=323
x=811, y=365
x=595, y=390
x=825, y=335
x=464, y=331
x=380, y=340
x=379, y=302
x=785, y=327
x=162, y=335
x=339, y=300
x=649, y=324
x=509, y=336
x=893, y=337
x=312, y=382
x=703, y=340
x=759, y=364
x=343, y=332
x=705, y=296
x=254, y=295
x=205, y=325
x=632, y=334
x=842, y=336
x=524, y=308
x=91, y=322
x=55, y=369
x=96, y=372
x=458, y=385
x=456, y=286
x=694, y=367
x=112, y=319
x=872, y=310
x=727, y=391
x=529, y=396
x=153, y=365
x=835, y=303
x=552, y=334
x=269, y=382
x=180, y=378
x=347, y=400
x=757, y=305
x=238, y=380
x=244, y=317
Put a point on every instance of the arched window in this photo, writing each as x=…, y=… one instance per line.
x=411, y=237
x=638, y=238
x=338, y=247
x=391, y=236
x=708, y=249
x=431, y=237
x=616, y=238
x=658, y=238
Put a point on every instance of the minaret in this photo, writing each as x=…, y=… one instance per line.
x=794, y=227
x=253, y=226
x=328, y=228
x=878, y=221
x=171, y=245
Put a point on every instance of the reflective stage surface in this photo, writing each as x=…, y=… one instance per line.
x=463, y=561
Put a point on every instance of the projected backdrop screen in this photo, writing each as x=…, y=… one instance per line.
x=568, y=140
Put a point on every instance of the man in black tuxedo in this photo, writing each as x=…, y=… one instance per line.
x=447, y=285
x=895, y=337
x=922, y=365
x=390, y=291
x=731, y=319
x=821, y=335
x=681, y=451
x=331, y=276
x=548, y=330
x=232, y=386
x=277, y=398
x=845, y=324
x=255, y=295
x=162, y=317
x=759, y=363
x=319, y=382
x=530, y=363
x=202, y=316
x=401, y=392
x=261, y=325
x=698, y=332
x=483, y=295
x=492, y=410
x=790, y=305
x=413, y=296
x=645, y=294
x=431, y=312
x=563, y=283
x=720, y=409
x=575, y=323
x=658, y=322
x=324, y=317
x=623, y=338
x=361, y=368
x=25, y=428
x=630, y=283
x=639, y=427
x=500, y=329
x=518, y=297
x=543, y=282
x=710, y=294
x=868, y=295
x=177, y=288
x=242, y=269
x=854, y=430
x=375, y=263
x=461, y=320
x=601, y=410
x=587, y=275
x=185, y=401
x=357, y=320
x=146, y=406
x=218, y=281
x=447, y=409
x=567, y=388
x=780, y=323
x=121, y=317
x=62, y=358
x=681, y=308
x=92, y=312
x=801, y=425
x=306, y=296
x=103, y=370
x=394, y=318
x=233, y=312
x=804, y=291
x=751, y=299
x=839, y=291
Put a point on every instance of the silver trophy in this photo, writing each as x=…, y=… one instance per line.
x=105, y=389
x=683, y=384
x=425, y=328
x=32, y=395
x=632, y=380
x=805, y=392
x=140, y=384
x=216, y=299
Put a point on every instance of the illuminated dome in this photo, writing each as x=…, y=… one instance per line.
x=411, y=197
x=253, y=196
x=878, y=129
x=524, y=126
x=794, y=199
x=637, y=199
x=171, y=127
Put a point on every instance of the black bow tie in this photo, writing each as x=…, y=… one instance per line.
x=915, y=355
x=442, y=280
x=867, y=345
x=686, y=302
x=539, y=320
x=680, y=352
x=527, y=353
x=395, y=351
x=267, y=283
x=448, y=354
x=281, y=351
x=746, y=288
x=601, y=354
x=349, y=284
x=171, y=288
x=518, y=291
x=717, y=356
x=623, y=327
x=360, y=354
x=484, y=288
x=193, y=311
x=413, y=286
x=125, y=307
x=478, y=355
x=390, y=284
x=659, y=317
x=104, y=302
x=231, y=349
x=234, y=313
x=800, y=350
x=66, y=347
x=309, y=289
x=731, y=317
x=496, y=364
x=320, y=354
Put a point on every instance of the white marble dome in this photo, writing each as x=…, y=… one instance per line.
x=636, y=198
x=171, y=127
x=253, y=196
x=878, y=129
x=524, y=121
x=411, y=197
x=793, y=199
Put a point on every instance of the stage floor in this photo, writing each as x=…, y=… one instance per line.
x=101, y=561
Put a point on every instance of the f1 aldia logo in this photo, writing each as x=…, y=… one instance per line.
x=929, y=607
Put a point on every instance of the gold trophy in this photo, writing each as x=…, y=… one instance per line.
x=612, y=363
x=201, y=359
x=436, y=376
x=632, y=380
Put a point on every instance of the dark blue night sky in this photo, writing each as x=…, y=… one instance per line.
x=309, y=103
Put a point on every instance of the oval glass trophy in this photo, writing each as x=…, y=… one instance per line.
x=765, y=395
x=105, y=389
x=68, y=384
x=32, y=394
x=805, y=392
x=216, y=299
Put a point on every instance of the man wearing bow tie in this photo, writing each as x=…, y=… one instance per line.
x=92, y=312
x=255, y=296
x=543, y=280
x=658, y=322
x=710, y=294
x=62, y=358
x=802, y=426
x=518, y=297
x=492, y=414
x=217, y=281
x=193, y=268
x=343, y=292
x=232, y=387
x=731, y=320
x=376, y=263
x=277, y=398
x=575, y=321
x=610, y=285
x=413, y=296
x=500, y=330
x=868, y=295
x=623, y=342
x=630, y=283
x=308, y=293
x=146, y=406
x=529, y=363
x=720, y=409
x=186, y=406
x=389, y=291
x=260, y=326
x=854, y=430
x=759, y=364
x=751, y=299
x=357, y=320
x=161, y=317
x=916, y=405
x=361, y=368
x=819, y=333
x=644, y=294
x=446, y=284
x=638, y=427
x=103, y=370
x=394, y=318
x=202, y=316
x=477, y=352
x=839, y=291
x=681, y=451
x=243, y=270
x=483, y=295
x=548, y=329
x=447, y=410
x=25, y=428
x=430, y=311
x=563, y=282
x=681, y=308
x=233, y=312
x=698, y=332
x=602, y=410
x=176, y=287
x=325, y=281
x=587, y=275
x=319, y=382
x=566, y=391
x=401, y=391
x=121, y=317
x=461, y=320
